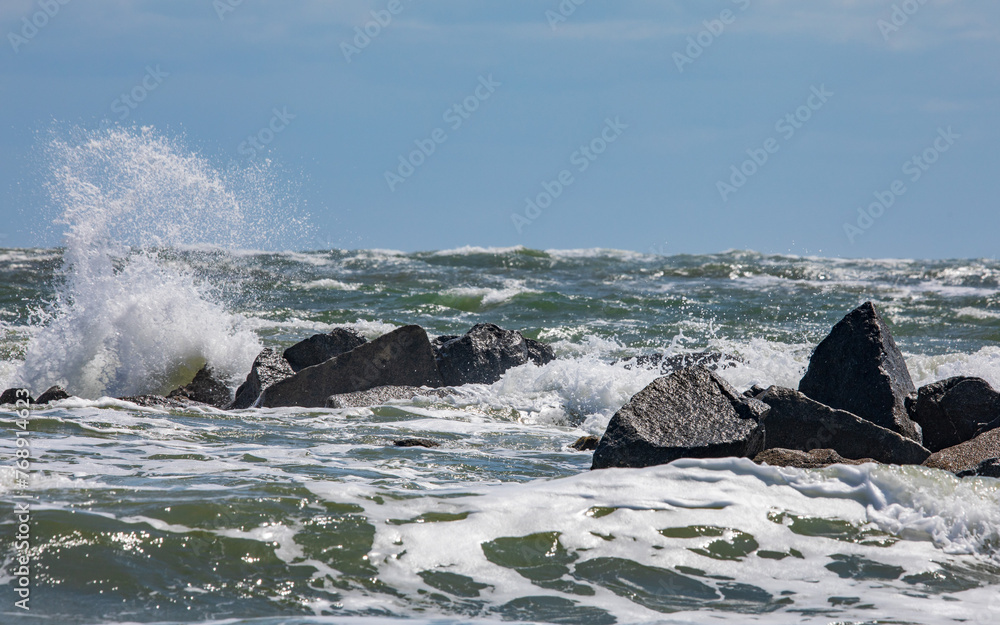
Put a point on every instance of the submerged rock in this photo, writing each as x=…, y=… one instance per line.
x=205, y=389
x=712, y=361
x=969, y=455
x=797, y=422
x=812, y=459
x=484, y=353
x=858, y=368
x=54, y=393
x=986, y=468
x=383, y=394
x=14, y=395
x=322, y=347
x=692, y=413
x=268, y=368
x=416, y=442
x=585, y=443
x=402, y=357
x=955, y=410
x=157, y=401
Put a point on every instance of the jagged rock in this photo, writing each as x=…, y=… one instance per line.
x=485, y=352
x=986, y=468
x=692, y=413
x=381, y=395
x=205, y=389
x=585, y=443
x=812, y=459
x=712, y=361
x=955, y=410
x=416, y=442
x=54, y=393
x=754, y=391
x=858, y=368
x=156, y=401
x=797, y=422
x=441, y=340
x=968, y=455
x=269, y=367
x=13, y=395
x=322, y=347
x=402, y=357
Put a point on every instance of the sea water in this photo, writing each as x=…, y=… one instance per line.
x=292, y=515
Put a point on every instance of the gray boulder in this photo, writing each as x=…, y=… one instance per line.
x=955, y=410
x=969, y=455
x=54, y=393
x=692, y=413
x=858, y=368
x=381, y=395
x=322, y=347
x=402, y=357
x=812, y=459
x=484, y=353
x=205, y=388
x=797, y=422
x=269, y=367
x=14, y=395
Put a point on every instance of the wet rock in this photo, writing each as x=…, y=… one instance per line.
x=797, y=422
x=858, y=368
x=416, y=442
x=14, y=395
x=484, y=353
x=713, y=361
x=967, y=456
x=54, y=393
x=156, y=401
x=692, y=413
x=382, y=395
x=441, y=340
x=402, y=357
x=205, y=389
x=322, y=347
x=955, y=410
x=986, y=468
x=585, y=443
x=754, y=391
x=268, y=368
x=812, y=459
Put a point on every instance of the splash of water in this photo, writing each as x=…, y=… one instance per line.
x=124, y=320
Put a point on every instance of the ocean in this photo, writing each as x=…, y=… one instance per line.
x=307, y=516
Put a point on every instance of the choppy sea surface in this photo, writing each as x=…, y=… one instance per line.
x=273, y=516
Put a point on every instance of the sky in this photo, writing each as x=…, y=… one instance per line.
x=852, y=128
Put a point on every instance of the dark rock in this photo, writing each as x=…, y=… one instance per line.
x=156, y=401
x=797, y=422
x=713, y=361
x=968, y=455
x=268, y=368
x=585, y=443
x=754, y=391
x=205, y=389
x=441, y=340
x=539, y=353
x=858, y=368
x=986, y=468
x=812, y=459
x=484, y=353
x=322, y=347
x=54, y=393
x=955, y=410
x=416, y=442
x=381, y=395
x=402, y=357
x=692, y=413
x=14, y=395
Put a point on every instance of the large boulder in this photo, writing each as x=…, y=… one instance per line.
x=969, y=455
x=955, y=410
x=383, y=394
x=322, y=347
x=484, y=353
x=269, y=367
x=14, y=395
x=812, y=459
x=692, y=413
x=797, y=422
x=402, y=357
x=205, y=388
x=858, y=368
x=53, y=393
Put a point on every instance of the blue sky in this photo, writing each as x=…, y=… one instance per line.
x=626, y=123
